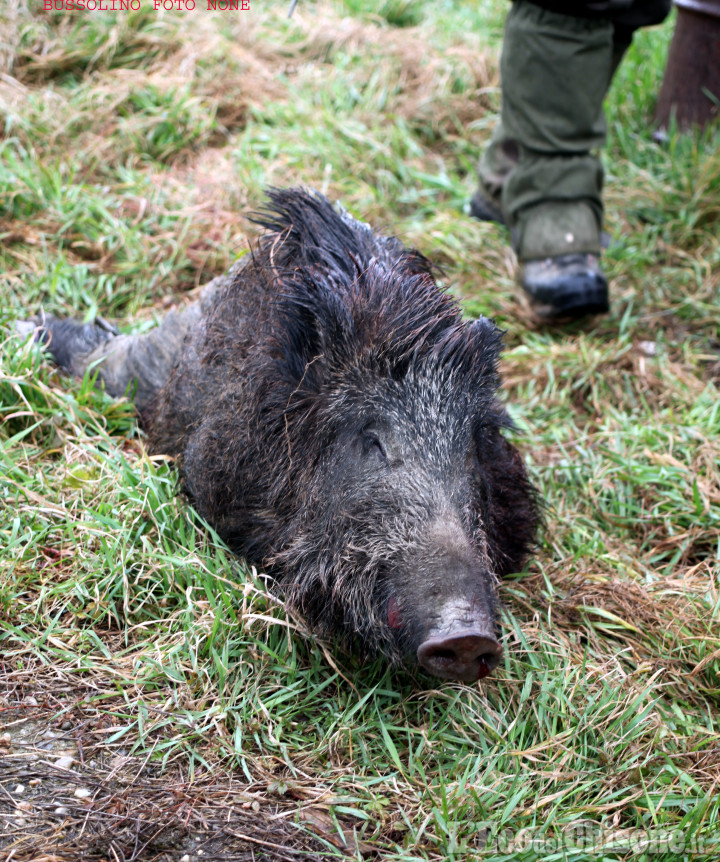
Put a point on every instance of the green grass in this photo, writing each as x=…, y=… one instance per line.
x=133, y=146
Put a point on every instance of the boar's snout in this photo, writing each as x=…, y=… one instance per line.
x=465, y=655
x=456, y=614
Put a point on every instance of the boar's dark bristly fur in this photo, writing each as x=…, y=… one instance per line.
x=337, y=421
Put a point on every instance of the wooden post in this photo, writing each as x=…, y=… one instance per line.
x=691, y=86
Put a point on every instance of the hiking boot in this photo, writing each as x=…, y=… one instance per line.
x=565, y=287
x=484, y=209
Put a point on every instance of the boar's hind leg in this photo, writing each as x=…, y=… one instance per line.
x=136, y=365
x=68, y=340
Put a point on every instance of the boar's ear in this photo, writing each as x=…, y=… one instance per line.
x=313, y=326
x=297, y=338
x=486, y=330
x=486, y=340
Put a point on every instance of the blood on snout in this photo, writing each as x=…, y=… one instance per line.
x=394, y=616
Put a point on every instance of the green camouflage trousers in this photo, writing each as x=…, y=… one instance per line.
x=541, y=165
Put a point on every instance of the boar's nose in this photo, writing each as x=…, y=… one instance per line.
x=466, y=655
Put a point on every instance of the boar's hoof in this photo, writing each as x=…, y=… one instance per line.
x=467, y=656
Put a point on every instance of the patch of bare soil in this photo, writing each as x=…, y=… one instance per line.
x=67, y=792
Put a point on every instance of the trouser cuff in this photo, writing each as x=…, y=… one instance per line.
x=556, y=228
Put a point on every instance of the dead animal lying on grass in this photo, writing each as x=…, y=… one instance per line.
x=337, y=422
